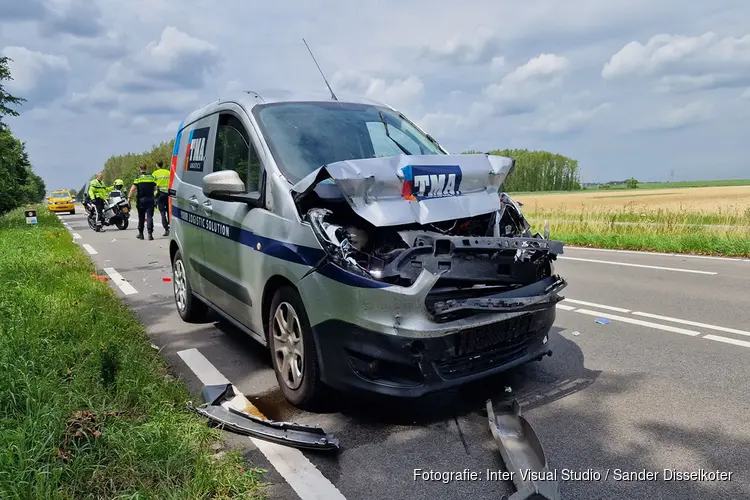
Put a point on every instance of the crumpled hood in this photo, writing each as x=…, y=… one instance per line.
x=409, y=189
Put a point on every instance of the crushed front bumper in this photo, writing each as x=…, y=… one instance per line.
x=354, y=358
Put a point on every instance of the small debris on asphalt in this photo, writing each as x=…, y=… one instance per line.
x=100, y=278
x=576, y=333
x=113, y=240
x=602, y=321
x=155, y=346
x=508, y=389
x=166, y=279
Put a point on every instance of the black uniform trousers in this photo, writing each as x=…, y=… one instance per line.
x=145, y=207
x=162, y=202
x=99, y=204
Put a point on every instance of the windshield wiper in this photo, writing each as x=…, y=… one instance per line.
x=388, y=135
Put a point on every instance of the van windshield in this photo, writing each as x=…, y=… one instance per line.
x=60, y=195
x=304, y=136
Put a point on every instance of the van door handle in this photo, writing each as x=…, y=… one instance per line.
x=193, y=200
x=207, y=207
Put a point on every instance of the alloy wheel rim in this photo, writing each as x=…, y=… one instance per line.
x=180, y=288
x=288, y=345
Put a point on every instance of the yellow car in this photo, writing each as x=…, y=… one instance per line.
x=61, y=201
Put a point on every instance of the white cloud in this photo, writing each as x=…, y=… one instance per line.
x=566, y=121
x=177, y=60
x=37, y=77
x=473, y=47
x=745, y=94
x=403, y=94
x=683, y=63
x=162, y=79
x=526, y=82
x=693, y=113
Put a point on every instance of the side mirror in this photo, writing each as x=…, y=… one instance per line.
x=226, y=185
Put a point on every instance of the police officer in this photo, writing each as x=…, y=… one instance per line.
x=98, y=193
x=145, y=184
x=161, y=175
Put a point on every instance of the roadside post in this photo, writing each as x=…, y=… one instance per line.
x=30, y=216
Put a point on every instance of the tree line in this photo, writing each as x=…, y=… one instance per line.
x=19, y=185
x=539, y=171
x=125, y=167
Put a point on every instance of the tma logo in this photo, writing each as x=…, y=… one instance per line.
x=434, y=181
x=195, y=154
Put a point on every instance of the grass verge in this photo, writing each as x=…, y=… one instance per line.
x=87, y=409
x=657, y=231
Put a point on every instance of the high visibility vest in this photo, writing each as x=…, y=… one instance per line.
x=97, y=189
x=161, y=175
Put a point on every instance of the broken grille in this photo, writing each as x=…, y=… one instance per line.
x=481, y=348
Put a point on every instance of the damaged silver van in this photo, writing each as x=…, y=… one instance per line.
x=347, y=240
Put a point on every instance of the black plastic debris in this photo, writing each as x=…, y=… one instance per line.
x=522, y=453
x=222, y=410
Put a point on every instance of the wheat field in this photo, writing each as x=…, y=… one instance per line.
x=725, y=200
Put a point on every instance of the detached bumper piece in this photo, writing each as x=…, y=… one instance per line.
x=230, y=410
x=522, y=453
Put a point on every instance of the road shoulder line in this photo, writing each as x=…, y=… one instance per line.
x=304, y=478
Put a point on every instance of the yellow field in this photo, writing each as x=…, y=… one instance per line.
x=708, y=200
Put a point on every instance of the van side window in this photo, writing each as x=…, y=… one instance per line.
x=235, y=151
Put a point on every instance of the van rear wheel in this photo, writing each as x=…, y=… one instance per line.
x=293, y=351
x=190, y=308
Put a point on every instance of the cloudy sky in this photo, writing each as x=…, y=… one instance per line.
x=649, y=88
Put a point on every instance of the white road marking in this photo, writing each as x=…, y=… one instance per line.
x=307, y=481
x=564, y=307
x=637, y=252
x=639, y=322
x=628, y=264
x=726, y=340
x=76, y=236
x=593, y=304
x=692, y=323
x=117, y=278
x=89, y=249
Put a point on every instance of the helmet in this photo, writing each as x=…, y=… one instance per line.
x=118, y=183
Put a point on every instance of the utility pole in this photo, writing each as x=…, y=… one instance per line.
x=671, y=175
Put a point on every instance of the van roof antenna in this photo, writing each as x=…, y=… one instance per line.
x=333, y=96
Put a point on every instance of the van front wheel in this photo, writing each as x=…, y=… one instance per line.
x=293, y=351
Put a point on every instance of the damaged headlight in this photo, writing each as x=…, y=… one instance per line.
x=342, y=245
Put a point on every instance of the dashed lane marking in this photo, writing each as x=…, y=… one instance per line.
x=593, y=304
x=693, y=323
x=624, y=319
x=89, y=249
x=727, y=340
x=121, y=282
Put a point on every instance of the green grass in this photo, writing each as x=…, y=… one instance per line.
x=658, y=231
x=648, y=185
x=87, y=409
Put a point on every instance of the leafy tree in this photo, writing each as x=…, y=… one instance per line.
x=19, y=185
x=540, y=171
x=632, y=183
x=6, y=99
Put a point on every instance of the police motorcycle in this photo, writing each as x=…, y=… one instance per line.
x=116, y=211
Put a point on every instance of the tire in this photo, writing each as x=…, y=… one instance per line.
x=73, y=212
x=122, y=224
x=190, y=308
x=307, y=392
x=92, y=223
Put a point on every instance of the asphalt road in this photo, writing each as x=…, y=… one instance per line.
x=663, y=385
